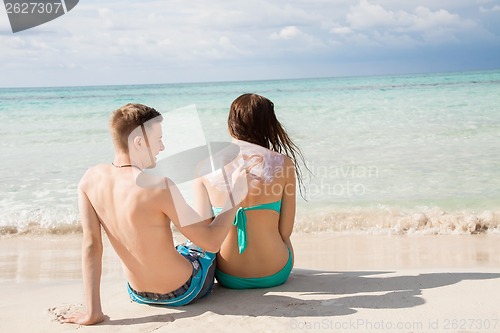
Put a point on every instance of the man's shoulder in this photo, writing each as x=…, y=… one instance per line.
x=92, y=174
x=152, y=182
x=96, y=170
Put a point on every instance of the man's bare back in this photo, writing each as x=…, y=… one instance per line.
x=135, y=222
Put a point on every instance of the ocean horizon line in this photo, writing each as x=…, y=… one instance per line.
x=180, y=83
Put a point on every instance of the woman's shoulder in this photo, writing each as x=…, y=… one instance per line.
x=249, y=149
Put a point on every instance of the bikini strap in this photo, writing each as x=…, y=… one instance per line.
x=276, y=206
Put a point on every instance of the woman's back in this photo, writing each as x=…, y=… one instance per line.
x=258, y=244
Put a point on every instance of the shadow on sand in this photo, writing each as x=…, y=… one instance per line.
x=322, y=293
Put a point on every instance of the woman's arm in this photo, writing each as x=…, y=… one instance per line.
x=288, y=204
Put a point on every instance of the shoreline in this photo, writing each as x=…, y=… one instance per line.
x=35, y=258
x=370, y=220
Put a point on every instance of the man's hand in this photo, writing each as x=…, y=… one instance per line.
x=238, y=189
x=82, y=318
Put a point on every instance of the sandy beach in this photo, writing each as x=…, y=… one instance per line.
x=340, y=283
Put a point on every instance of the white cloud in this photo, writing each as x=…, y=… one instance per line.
x=421, y=24
x=341, y=30
x=106, y=15
x=424, y=19
x=302, y=42
x=287, y=33
x=369, y=16
x=12, y=42
x=366, y=16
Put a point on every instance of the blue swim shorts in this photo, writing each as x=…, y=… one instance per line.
x=199, y=285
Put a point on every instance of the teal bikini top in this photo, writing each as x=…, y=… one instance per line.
x=240, y=221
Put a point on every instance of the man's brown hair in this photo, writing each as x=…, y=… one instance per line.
x=127, y=118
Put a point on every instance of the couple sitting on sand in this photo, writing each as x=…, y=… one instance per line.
x=249, y=238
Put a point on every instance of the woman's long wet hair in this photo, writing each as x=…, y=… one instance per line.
x=252, y=119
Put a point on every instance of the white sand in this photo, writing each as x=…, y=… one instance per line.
x=351, y=283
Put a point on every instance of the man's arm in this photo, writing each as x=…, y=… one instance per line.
x=201, y=230
x=201, y=201
x=91, y=263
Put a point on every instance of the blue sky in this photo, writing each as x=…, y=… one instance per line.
x=135, y=42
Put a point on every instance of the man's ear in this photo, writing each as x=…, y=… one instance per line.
x=138, y=142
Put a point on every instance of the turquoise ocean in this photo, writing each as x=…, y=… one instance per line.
x=387, y=154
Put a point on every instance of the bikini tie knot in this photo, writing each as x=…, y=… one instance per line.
x=240, y=222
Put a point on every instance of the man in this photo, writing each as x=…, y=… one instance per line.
x=137, y=220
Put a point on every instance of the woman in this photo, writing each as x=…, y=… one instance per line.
x=257, y=253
